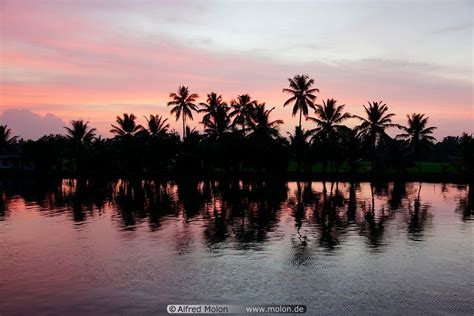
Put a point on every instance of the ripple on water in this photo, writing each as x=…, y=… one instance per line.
x=339, y=253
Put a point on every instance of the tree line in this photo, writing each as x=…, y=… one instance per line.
x=241, y=138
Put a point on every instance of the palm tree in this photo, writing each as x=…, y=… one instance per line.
x=260, y=122
x=329, y=119
x=329, y=128
x=80, y=132
x=418, y=134
x=126, y=125
x=214, y=101
x=299, y=145
x=219, y=124
x=5, y=137
x=372, y=129
x=216, y=121
x=242, y=110
x=302, y=95
x=183, y=103
x=157, y=126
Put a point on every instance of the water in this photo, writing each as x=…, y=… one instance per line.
x=69, y=247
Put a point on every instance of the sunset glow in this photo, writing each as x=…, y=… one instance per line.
x=94, y=60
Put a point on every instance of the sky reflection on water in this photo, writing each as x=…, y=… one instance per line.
x=134, y=246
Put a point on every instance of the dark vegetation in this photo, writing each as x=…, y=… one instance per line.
x=240, y=139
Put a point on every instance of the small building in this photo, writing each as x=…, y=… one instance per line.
x=15, y=162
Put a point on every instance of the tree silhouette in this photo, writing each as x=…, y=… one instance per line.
x=260, y=122
x=418, y=135
x=80, y=132
x=218, y=124
x=302, y=95
x=242, y=111
x=157, y=126
x=329, y=128
x=214, y=101
x=299, y=146
x=216, y=119
x=183, y=103
x=372, y=129
x=126, y=126
x=242, y=139
x=5, y=137
x=466, y=151
x=398, y=156
x=329, y=119
x=194, y=136
x=352, y=148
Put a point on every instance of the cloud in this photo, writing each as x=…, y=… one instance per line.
x=82, y=60
x=29, y=125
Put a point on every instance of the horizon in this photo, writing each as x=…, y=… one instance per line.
x=96, y=60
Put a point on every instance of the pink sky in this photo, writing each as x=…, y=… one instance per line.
x=94, y=60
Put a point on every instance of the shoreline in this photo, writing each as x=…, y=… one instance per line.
x=246, y=176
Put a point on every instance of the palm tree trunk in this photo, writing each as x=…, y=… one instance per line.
x=374, y=157
x=300, y=120
x=372, y=195
x=184, y=128
x=298, y=185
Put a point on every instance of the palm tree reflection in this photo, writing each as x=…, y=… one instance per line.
x=4, y=208
x=239, y=214
x=243, y=214
x=374, y=225
x=331, y=224
x=466, y=205
x=191, y=198
x=418, y=217
x=352, y=203
x=397, y=195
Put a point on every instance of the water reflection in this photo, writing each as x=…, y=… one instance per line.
x=241, y=212
x=466, y=205
x=418, y=216
x=4, y=208
x=76, y=246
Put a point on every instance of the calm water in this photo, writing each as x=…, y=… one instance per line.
x=73, y=247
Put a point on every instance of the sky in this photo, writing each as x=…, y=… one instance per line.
x=93, y=60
